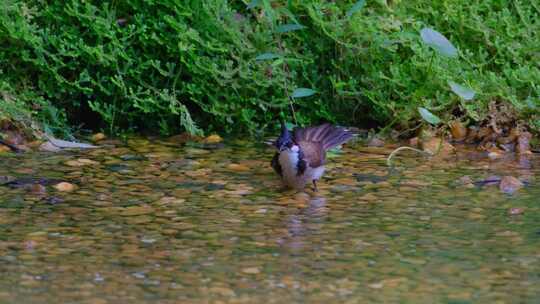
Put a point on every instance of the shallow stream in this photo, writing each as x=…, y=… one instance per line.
x=157, y=222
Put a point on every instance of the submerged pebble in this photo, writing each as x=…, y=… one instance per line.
x=510, y=184
x=65, y=187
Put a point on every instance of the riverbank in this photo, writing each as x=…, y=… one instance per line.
x=228, y=67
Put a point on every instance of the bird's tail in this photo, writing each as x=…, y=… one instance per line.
x=330, y=136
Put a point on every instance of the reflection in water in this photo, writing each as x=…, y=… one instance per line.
x=307, y=222
x=162, y=223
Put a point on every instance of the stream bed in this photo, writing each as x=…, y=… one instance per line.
x=150, y=221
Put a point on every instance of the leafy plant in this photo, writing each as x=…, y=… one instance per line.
x=233, y=66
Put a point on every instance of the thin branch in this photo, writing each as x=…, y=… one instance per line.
x=288, y=74
x=389, y=159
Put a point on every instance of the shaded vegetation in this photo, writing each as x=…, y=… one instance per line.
x=231, y=66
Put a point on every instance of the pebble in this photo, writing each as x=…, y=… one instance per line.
x=515, y=211
x=65, y=187
x=375, y=142
x=37, y=189
x=81, y=162
x=370, y=197
x=251, y=270
x=98, y=137
x=4, y=149
x=436, y=146
x=213, y=139
x=49, y=147
x=494, y=155
x=377, y=285
x=510, y=184
x=238, y=168
x=222, y=291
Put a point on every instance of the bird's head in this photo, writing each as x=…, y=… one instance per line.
x=284, y=141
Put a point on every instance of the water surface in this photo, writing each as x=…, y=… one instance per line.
x=155, y=222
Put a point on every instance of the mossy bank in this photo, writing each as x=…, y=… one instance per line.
x=228, y=66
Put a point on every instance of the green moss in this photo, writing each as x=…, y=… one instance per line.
x=169, y=65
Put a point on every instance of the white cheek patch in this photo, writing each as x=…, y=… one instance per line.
x=295, y=148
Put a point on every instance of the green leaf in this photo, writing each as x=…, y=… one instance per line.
x=356, y=7
x=267, y=56
x=437, y=41
x=302, y=92
x=464, y=92
x=278, y=62
x=428, y=116
x=289, y=27
x=253, y=4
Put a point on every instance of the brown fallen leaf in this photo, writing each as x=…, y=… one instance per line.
x=458, y=130
x=472, y=135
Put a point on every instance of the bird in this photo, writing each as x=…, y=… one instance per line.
x=301, y=154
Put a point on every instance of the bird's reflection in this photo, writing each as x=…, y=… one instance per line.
x=304, y=224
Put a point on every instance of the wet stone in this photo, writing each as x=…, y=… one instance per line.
x=65, y=187
x=510, y=184
x=98, y=137
x=135, y=157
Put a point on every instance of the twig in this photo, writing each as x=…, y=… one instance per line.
x=288, y=74
x=389, y=159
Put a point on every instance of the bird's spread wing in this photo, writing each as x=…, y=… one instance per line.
x=327, y=135
x=312, y=153
x=309, y=140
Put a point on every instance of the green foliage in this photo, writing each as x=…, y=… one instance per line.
x=232, y=65
x=31, y=112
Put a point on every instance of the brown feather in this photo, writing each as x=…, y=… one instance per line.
x=314, y=141
x=327, y=135
x=314, y=153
